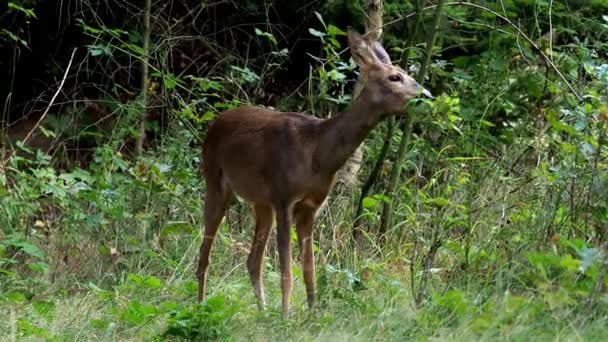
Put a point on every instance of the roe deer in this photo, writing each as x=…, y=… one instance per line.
x=284, y=165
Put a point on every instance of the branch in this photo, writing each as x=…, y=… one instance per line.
x=65, y=75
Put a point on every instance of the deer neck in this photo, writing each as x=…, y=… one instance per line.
x=342, y=134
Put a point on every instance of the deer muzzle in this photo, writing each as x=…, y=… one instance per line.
x=422, y=90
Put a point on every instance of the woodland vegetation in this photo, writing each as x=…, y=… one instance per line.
x=480, y=214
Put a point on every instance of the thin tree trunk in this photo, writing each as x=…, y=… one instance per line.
x=372, y=176
x=373, y=30
x=139, y=143
x=407, y=124
x=371, y=179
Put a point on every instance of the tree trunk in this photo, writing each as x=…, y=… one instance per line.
x=380, y=159
x=347, y=175
x=139, y=142
x=407, y=124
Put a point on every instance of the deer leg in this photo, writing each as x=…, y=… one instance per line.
x=284, y=245
x=263, y=223
x=216, y=203
x=304, y=217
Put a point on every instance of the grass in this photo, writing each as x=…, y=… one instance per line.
x=363, y=296
x=383, y=311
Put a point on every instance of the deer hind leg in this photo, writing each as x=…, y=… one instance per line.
x=217, y=198
x=304, y=217
x=284, y=246
x=263, y=222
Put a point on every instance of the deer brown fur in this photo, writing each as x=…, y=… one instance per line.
x=284, y=164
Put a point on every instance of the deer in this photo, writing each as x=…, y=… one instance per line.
x=283, y=164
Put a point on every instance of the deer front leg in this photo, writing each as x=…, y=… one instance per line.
x=284, y=245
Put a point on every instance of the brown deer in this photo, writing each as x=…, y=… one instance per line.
x=284, y=165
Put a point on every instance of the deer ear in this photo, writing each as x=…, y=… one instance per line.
x=361, y=52
x=381, y=54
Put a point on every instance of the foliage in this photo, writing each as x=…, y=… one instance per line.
x=206, y=321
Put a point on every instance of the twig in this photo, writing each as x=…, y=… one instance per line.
x=550, y=31
x=65, y=75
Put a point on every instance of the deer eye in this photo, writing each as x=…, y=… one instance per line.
x=395, y=78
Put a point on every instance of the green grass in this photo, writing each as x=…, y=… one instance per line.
x=364, y=301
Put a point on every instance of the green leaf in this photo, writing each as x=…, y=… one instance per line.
x=453, y=300
x=569, y=263
x=44, y=308
x=28, y=12
x=246, y=74
x=334, y=42
x=39, y=266
x=369, y=202
x=28, y=328
x=316, y=33
x=335, y=31
x=26, y=247
x=215, y=302
x=88, y=29
x=335, y=75
x=320, y=17
x=145, y=281
x=16, y=297
x=268, y=35
x=99, y=50
x=177, y=227
x=99, y=323
x=208, y=116
x=137, y=313
x=14, y=37
x=297, y=271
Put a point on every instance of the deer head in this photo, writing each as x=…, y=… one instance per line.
x=387, y=87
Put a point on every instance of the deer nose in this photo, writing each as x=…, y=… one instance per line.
x=422, y=90
x=427, y=93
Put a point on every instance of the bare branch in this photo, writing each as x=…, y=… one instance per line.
x=65, y=75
